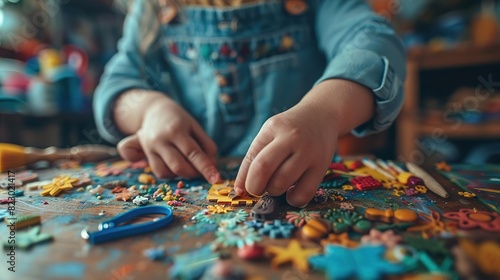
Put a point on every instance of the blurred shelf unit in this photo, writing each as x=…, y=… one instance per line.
x=413, y=123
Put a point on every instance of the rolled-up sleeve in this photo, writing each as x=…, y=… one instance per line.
x=125, y=71
x=362, y=47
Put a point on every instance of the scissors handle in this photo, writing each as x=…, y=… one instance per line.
x=111, y=229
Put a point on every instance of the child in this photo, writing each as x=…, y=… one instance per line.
x=275, y=81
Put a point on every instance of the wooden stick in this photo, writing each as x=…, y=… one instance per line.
x=373, y=166
x=430, y=182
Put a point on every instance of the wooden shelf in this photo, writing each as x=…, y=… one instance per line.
x=466, y=55
x=410, y=128
x=452, y=130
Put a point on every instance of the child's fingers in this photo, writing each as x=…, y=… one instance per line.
x=286, y=175
x=301, y=194
x=206, y=143
x=257, y=145
x=130, y=148
x=176, y=161
x=265, y=165
x=199, y=159
x=160, y=169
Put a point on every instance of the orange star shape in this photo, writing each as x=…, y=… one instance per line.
x=339, y=239
x=59, y=184
x=293, y=253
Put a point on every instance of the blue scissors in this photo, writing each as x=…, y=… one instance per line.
x=111, y=229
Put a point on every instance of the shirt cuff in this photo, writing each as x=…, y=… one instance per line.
x=105, y=99
x=374, y=72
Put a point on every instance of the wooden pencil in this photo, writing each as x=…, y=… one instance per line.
x=430, y=182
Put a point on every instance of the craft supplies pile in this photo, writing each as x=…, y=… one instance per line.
x=369, y=219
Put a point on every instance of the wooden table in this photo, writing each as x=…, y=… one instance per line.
x=71, y=257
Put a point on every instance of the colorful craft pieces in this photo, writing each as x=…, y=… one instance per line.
x=58, y=184
x=113, y=169
x=277, y=229
x=146, y=179
x=24, y=221
x=343, y=220
x=467, y=194
x=300, y=218
x=443, y=166
x=218, y=209
x=432, y=225
x=485, y=255
x=220, y=193
x=339, y=239
x=364, y=262
x=355, y=246
x=470, y=219
x=366, y=183
x=251, y=252
x=387, y=238
x=26, y=239
x=315, y=229
x=389, y=215
x=346, y=206
x=294, y=253
x=238, y=236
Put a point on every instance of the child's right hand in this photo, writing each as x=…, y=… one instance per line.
x=173, y=143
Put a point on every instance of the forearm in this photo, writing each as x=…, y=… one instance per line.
x=347, y=104
x=131, y=106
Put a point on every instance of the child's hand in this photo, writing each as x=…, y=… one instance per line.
x=173, y=143
x=292, y=148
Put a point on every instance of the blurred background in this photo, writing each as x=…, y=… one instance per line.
x=52, y=53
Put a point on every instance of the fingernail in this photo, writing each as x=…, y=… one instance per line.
x=252, y=194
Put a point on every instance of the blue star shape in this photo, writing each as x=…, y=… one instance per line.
x=277, y=229
x=256, y=224
x=364, y=262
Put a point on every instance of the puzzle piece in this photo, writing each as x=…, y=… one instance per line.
x=220, y=193
x=26, y=239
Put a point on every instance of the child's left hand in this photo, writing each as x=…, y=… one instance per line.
x=291, y=153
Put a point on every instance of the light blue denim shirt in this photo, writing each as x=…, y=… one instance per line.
x=233, y=68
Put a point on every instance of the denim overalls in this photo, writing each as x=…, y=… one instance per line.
x=233, y=68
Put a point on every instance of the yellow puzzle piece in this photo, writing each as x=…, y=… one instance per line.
x=220, y=193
